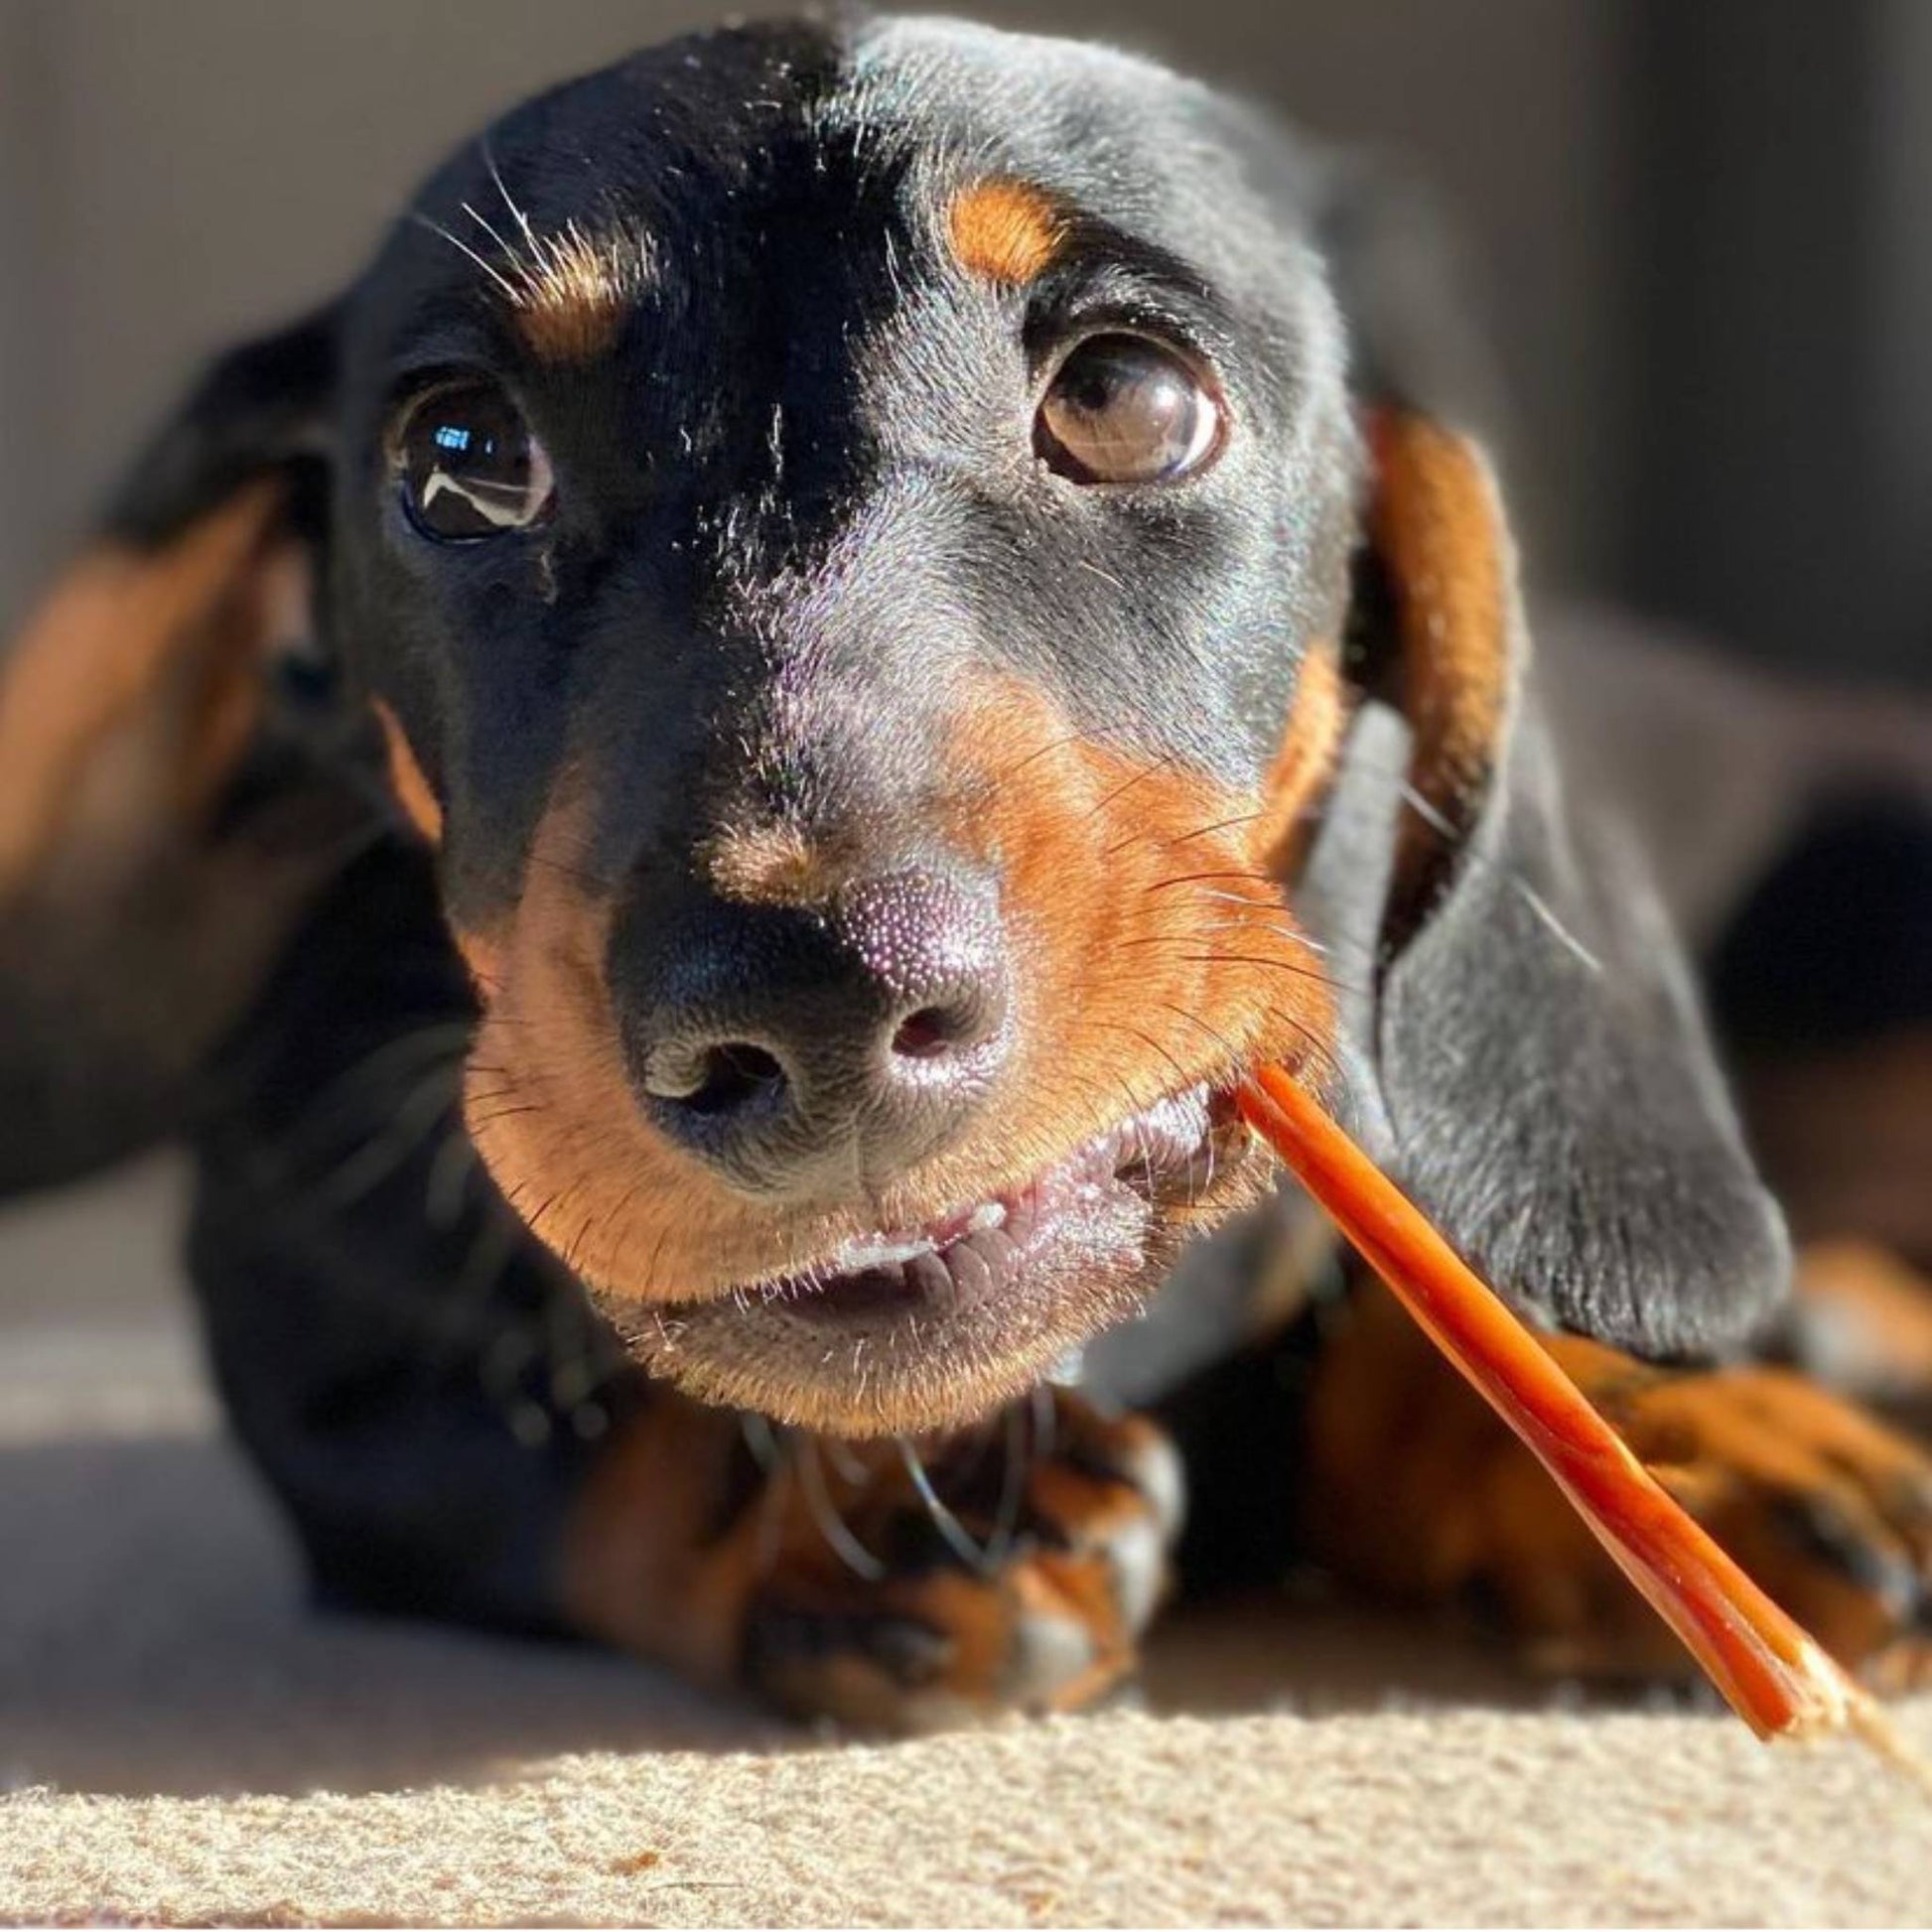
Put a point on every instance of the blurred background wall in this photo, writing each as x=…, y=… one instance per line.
x=1699, y=233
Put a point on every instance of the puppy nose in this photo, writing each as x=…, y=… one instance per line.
x=804, y=1053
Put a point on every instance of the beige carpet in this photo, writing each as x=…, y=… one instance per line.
x=179, y=1742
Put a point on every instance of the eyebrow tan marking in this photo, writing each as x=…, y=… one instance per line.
x=567, y=291
x=1006, y=231
x=571, y=291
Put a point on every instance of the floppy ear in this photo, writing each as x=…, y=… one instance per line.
x=160, y=826
x=1546, y=1082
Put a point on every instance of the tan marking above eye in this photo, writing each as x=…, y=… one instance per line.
x=1006, y=231
x=571, y=290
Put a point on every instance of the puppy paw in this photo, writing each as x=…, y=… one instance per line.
x=1417, y=1492
x=1829, y=1509
x=1013, y=1569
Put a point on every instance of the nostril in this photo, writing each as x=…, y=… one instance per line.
x=926, y=1034
x=731, y=1075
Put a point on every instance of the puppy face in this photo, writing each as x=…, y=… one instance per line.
x=846, y=537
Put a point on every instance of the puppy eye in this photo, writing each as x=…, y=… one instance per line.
x=1121, y=409
x=469, y=463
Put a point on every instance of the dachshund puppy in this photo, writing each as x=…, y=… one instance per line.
x=694, y=796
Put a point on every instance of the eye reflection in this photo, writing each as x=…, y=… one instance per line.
x=469, y=463
x=1122, y=409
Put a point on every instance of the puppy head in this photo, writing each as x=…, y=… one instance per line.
x=848, y=538
x=839, y=569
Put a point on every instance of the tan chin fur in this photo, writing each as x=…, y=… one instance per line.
x=1154, y=953
x=736, y=1362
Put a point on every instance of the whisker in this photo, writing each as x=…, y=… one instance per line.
x=759, y=1440
x=371, y=1164
x=1012, y=1488
x=1149, y=837
x=1044, y=1427
x=1150, y=1044
x=478, y=1118
x=1547, y=914
x=1194, y=877
x=448, y=1185
x=432, y=1041
x=831, y=1525
x=1258, y=959
x=482, y=222
x=1318, y=1049
x=851, y=1469
x=1440, y=823
x=1038, y=753
x=1218, y=1038
x=496, y=175
x=948, y=1525
x=457, y=243
x=1446, y=828
x=1221, y=825
x=1139, y=777
x=1275, y=901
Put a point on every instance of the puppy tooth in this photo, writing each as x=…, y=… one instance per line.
x=857, y=1256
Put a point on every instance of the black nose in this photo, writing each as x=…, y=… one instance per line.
x=805, y=1052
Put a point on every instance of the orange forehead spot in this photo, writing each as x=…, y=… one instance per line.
x=1005, y=230
x=571, y=290
x=406, y=778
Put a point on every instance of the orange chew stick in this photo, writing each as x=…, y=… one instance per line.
x=1773, y=1674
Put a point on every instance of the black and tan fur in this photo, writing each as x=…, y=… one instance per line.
x=374, y=866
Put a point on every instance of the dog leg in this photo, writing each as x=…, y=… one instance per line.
x=1417, y=1492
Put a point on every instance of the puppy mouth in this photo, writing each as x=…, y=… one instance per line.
x=1166, y=1153
x=925, y=1326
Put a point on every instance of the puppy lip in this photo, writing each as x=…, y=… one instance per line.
x=1163, y=1153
